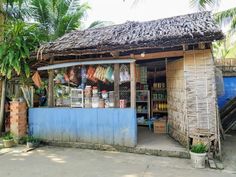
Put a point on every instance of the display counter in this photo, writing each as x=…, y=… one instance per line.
x=114, y=126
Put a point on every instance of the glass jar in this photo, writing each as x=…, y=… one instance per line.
x=104, y=94
x=101, y=103
x=95, y=90
x=88, y=91
x=87, y=102
x=95, y=102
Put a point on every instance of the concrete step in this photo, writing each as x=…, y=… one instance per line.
x=180, y=153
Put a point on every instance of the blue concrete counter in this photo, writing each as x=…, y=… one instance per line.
x=112, y=126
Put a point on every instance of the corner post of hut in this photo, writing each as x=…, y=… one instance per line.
x=132, y=85
x=50, y=86
x=117, y=84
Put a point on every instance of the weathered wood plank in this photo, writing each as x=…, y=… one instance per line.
x=117, y=85
x=133, y=85
x=50, y=86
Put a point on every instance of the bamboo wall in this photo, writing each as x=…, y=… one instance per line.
x=192, y=96
x=201, y=91
x=176, y=100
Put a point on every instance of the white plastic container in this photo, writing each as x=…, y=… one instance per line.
x=198, y=159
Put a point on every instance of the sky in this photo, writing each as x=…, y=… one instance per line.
x=120, y=11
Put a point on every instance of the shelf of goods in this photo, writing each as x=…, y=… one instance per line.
x=77, y=98
x=143, y=106
x=159, y=99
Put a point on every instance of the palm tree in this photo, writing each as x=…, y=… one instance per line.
x=229, y=15
x=202, y=5
x=57, y=17
x=99, y=24
x=54, y=18
x=225, y=48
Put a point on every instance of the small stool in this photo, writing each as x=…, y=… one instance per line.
x=150, y=124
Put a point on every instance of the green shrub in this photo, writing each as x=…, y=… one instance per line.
x=199, y=148
x=23, y=140
x=8, y=136
x=32, y=139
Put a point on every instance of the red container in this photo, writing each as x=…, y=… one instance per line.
x=122, y=103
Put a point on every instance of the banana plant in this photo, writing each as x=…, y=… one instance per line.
x=18, y=41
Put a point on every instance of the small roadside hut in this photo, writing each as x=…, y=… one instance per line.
x=172, y=54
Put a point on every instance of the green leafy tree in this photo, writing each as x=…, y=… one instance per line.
x=229, y=14
x=54, y=18
x=225, y=48
x=202, y=5
x=57, y=17
x=100, y=24
x=13, y=9
x=18, y=40
x=1, y=19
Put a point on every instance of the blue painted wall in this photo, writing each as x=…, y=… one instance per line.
x=104, y=126
x=230, y=91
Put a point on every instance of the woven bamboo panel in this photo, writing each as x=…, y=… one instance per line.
x=191, y=96
x=200, y=92
x=176, y=101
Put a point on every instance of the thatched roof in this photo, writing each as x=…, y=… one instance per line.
x=168, y=32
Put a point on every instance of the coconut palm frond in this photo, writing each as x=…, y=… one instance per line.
x=233, y=23
x=203, y=4
x=40, y=12
x=100, y=24
x=68, y=17
x=225, y=14
x=229, y=15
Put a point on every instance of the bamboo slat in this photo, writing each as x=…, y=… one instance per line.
x=191, y=96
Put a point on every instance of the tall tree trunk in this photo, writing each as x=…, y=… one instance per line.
x=1, y=20
x=2, y=106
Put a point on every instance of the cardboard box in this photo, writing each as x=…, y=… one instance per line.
x=159, y=126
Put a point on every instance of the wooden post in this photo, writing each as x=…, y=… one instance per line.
x=50, y=87
x=117, y=85
x=3, y=82
x=132, y=85
x=2, y=106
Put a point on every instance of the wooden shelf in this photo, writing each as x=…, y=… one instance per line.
x=158, y=89
x=156, y=111
x=144, y=124
x=159, y=100
x=142, y=112
x=70, y=84
x=143, y=103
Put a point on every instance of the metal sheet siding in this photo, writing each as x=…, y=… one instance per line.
x=230, y=91
x=104, y=126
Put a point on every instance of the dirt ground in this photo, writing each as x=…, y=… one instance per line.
x=70, y=162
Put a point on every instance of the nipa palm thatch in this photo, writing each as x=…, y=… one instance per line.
x=168, y=32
